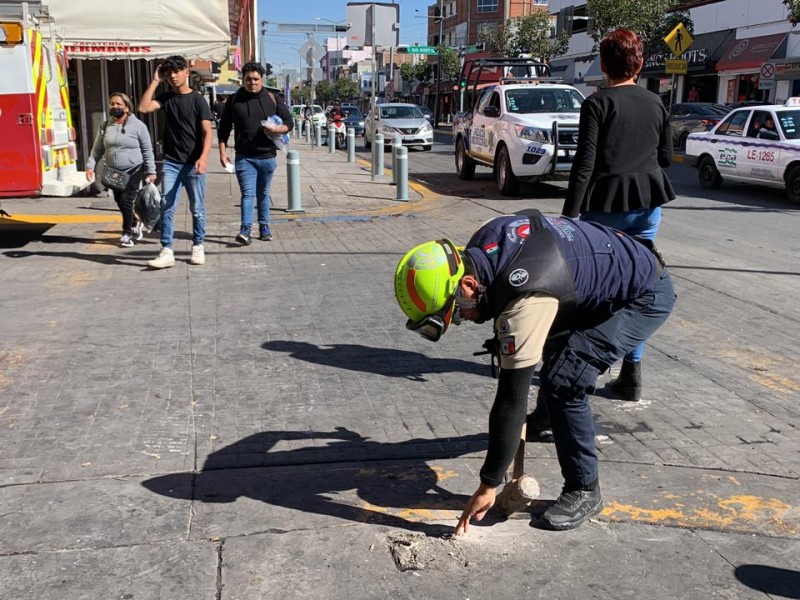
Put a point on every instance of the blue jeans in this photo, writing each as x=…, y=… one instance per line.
x=255, y=178
x=644, y=223
x=572, y=362
x=175, y=176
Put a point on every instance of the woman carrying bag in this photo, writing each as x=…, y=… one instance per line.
x=124, y=142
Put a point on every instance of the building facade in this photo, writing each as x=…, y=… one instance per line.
x=743, y=50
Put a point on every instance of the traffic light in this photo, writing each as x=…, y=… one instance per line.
x=268, y=69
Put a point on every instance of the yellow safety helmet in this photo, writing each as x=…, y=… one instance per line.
x=425, y=284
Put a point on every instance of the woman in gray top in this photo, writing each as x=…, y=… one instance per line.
x=124, y=142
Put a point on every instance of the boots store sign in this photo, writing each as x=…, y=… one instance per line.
x=694, y=57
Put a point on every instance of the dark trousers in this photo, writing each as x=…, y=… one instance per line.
x=126, y=198
x=572, y=362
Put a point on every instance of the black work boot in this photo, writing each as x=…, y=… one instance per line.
x=573, y=508
x=628, y=384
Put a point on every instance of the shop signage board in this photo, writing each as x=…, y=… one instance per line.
x=676, y=67
x=786, y=70
x=679, y=40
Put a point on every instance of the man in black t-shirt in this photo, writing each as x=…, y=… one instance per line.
x=187, y=142
x=250, y=113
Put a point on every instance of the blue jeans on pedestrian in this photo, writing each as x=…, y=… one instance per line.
x=175, y=177
x=255, y=178
x=643, y=222
x=571, y=363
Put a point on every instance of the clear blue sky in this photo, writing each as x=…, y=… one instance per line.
x=282, y=47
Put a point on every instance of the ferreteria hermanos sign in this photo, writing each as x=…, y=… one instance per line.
x=697, y=56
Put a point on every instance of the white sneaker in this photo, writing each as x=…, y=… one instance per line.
x=126, y=241
x=198, y=256
x=164, y=260
x=138, y=231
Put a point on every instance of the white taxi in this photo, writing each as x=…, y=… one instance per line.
x=754, y=144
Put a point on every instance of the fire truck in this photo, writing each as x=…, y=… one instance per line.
x=37, y=140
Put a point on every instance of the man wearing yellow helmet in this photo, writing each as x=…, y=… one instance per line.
x=574, y=294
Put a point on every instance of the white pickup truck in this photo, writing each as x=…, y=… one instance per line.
x=755, y=144
x=525, y=129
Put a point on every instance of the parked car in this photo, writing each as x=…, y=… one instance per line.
x=688, y=117
x=756, y=144
x=353, y=118
x=393, y=118
x=317, y=117
x=427, y=112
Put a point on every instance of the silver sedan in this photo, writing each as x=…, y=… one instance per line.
x=394, y=119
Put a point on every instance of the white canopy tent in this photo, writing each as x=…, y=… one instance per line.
x=195, y=29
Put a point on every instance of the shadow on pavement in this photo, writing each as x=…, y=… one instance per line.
x=378, y=361
x=385, y=490
x=770, y=580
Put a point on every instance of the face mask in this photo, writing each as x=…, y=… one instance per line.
x=117, y=112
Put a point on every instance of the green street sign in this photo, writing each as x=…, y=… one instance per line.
x=421, y=50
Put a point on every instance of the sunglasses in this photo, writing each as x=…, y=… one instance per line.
x=432, y=327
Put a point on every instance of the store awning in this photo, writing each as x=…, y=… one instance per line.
x=749, y=53
x=702, y=57
x=143, y=29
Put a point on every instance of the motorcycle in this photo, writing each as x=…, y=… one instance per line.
x=339, y=130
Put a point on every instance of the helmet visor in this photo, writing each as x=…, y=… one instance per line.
x=432, y=327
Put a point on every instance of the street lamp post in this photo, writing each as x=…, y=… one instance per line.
x=438, y=69
x=438, y=78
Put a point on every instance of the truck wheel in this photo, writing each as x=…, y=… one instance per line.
x=793, y=185
x=507, y=182
x=465, y=166
x=708, y=174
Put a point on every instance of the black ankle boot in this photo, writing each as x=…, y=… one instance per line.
x=628, y=385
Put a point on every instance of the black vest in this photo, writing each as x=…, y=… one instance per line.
x=592, y=270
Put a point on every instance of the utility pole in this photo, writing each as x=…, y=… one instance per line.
x=263, y=58
x=438, y=79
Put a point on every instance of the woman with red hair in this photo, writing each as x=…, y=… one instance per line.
x=618, y=176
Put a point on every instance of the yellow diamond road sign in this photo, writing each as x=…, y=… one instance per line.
x=679, y=40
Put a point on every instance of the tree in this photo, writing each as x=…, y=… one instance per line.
x=301, y=94
x=324, y=91
x=794, y=11
x=525, y=35
x=345, y=88
x=533, y=36
x=408, y=72
x=449, y=63
x=648, y=18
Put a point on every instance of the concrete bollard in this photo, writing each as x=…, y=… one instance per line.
x=351, y=145
x=307, y=127
x=293, y=181
x=397, y=142
x=331, y=139
x=296, y=132
x=402, y=174
x=318, y=134
x=378, y=164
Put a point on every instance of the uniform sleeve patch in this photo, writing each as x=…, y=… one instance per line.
x=508, y=345
x=502, y=326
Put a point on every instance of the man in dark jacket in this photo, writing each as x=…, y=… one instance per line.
x=248, y=111
x=576, y=295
